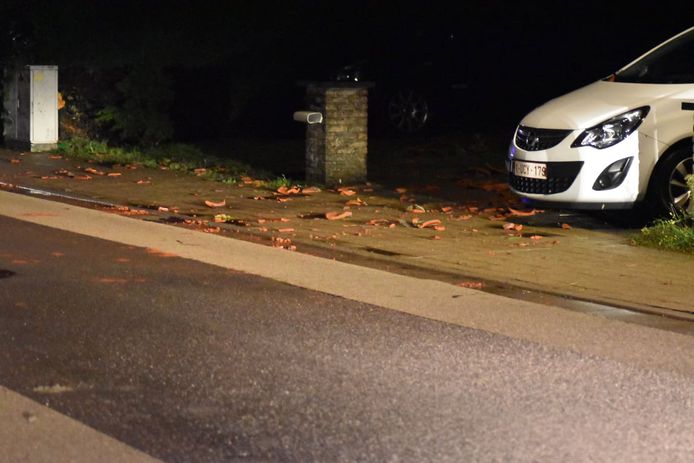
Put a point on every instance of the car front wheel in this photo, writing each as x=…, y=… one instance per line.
x=669, y=190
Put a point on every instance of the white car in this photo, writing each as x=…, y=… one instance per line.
x=616, y=143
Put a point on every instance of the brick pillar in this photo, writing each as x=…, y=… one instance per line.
x=336, y=149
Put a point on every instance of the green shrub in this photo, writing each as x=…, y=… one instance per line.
x=140, y=113
x=675, y=234
x=176, y=156
x=275, y=183
x=99, y=151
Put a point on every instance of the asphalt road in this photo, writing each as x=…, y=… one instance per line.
x=191, y=362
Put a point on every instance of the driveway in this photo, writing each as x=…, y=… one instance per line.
x=458, y=224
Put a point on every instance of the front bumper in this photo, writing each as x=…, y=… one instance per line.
x=572, y=173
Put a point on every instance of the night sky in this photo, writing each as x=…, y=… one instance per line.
x=537, y=49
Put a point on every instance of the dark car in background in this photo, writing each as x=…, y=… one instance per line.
x=420, y=82
x=435, y=79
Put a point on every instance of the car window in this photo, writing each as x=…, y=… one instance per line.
x=672, y=63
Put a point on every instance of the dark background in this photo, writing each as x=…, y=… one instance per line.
x=222, y=67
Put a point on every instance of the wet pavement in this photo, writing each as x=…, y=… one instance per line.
x=193, y=362
x=456, y=228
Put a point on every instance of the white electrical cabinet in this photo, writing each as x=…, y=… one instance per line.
x=31, y=108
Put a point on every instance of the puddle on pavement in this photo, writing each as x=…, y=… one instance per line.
x=312, y=216
x=588, y=220
x=383, y=252
x=663, y=322
x=170, y=219
x=6, y=273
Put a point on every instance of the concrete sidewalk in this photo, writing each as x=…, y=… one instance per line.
x=33, y=433
x=551, y=253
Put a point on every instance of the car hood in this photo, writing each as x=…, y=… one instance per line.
x=595, y=103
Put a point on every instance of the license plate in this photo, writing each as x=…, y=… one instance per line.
x=530, y=169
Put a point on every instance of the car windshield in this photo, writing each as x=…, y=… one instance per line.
x=672, y=63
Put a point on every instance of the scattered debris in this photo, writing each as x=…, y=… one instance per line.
x=213, y=204
x=54, y=389
x=510, y=226
x=283, y=243
x=472, y=284
x=273, y=219
x=344, y=191
x=415, y=209
x=222, y=218
x=383, y=222
x=124, y=210
x=91, y=170
x=518, y=213
x=338, y=215
x=430, y=223
x=24, y=261
x=283, y=190
x=356, y=202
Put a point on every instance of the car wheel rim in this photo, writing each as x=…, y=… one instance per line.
x=408, y=111
x=680, y=195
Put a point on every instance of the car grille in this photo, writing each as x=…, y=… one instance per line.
x=560, y=176
x=531, y=139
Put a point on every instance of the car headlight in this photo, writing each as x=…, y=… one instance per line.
x=612, y=131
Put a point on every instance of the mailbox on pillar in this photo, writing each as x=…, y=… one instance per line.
x=31, y=108
x=336, y=134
